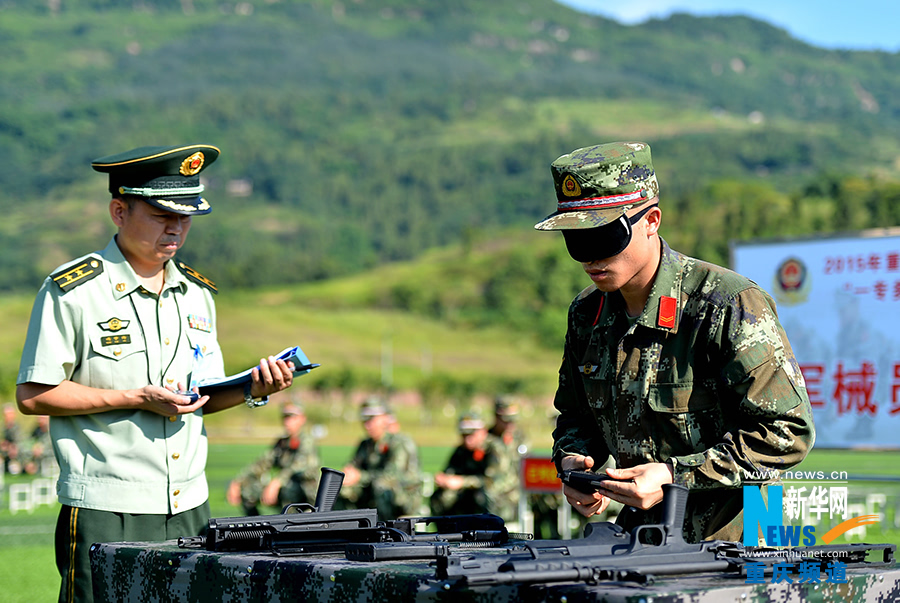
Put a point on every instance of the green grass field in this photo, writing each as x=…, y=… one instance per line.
x=26, y=539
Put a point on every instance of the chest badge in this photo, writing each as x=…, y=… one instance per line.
x=588, y=369
x=667, y=307
x=200, y=323
x=114, y=324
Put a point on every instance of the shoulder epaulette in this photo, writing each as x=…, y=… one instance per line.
x=81, y=271
x=195, y=276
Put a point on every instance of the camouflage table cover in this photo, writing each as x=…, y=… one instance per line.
x=164, y=572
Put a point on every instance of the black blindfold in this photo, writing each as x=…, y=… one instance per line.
x=591, y=244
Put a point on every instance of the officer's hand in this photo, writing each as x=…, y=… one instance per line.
x=644, y=488
x=585, y=504
x=166, y=402
x=271, y=376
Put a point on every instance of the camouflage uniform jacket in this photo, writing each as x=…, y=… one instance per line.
x=485, y=468
x=711, y=387
x=508, y=483
x=389, y=465
x=289, y=458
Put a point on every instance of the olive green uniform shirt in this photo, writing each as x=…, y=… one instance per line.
x=109, y=332
x=706, y=381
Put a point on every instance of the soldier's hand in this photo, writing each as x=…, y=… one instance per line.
x=351, y=475
x=584, y=503
x=644, y=488
x=448, y=481
x=233, y=495
x=167, y=403
x=269, y=496
x=271, y=376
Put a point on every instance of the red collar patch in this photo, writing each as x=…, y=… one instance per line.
x=667, y=307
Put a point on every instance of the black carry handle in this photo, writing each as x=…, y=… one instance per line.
x=329, y=487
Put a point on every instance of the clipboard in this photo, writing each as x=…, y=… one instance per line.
x=293, y=354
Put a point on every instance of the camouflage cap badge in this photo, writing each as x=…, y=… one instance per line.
x=596, y=185
x=165, y=177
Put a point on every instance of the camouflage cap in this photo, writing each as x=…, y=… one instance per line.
x=470, y=422
x=596, y=185
x=165, y=177
x=373, y=407
x=506, y=407
x=290, y=409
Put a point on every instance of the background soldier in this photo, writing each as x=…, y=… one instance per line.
x=469, y=483
x=9, y=445
x=286, y=473
x=512, y=439
x=384, y=473
x=40, y=448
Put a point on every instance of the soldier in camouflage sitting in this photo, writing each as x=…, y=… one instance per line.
x=474, y=477
x=384, y=473
x=506, y=430
x=676, y=368
x=287, y=473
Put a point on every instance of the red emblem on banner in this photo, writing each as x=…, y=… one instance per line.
x=667, y=307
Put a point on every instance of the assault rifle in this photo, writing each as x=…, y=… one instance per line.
x=302, y=528
x=608, y=553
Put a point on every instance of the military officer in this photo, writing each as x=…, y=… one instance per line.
x=384, y=473
x=115, y=339
x=677, y=368
x=287, y=473
x=472, y=481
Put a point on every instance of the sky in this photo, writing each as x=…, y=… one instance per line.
x=832, y=24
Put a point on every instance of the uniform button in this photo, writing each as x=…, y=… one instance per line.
x=167, y=341
x=175, y=504
x=117, y=352
x=176, y=456
x=120, y=287
x=176, y=492
x=173, y=418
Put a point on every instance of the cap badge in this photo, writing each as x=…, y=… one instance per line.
x=192, y=164
x=570, y=186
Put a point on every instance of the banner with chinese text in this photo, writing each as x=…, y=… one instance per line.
x=838, y=299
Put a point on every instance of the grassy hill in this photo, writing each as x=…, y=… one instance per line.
x=358, y=133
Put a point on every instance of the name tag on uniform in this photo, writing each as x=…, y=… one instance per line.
x=115, y=340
